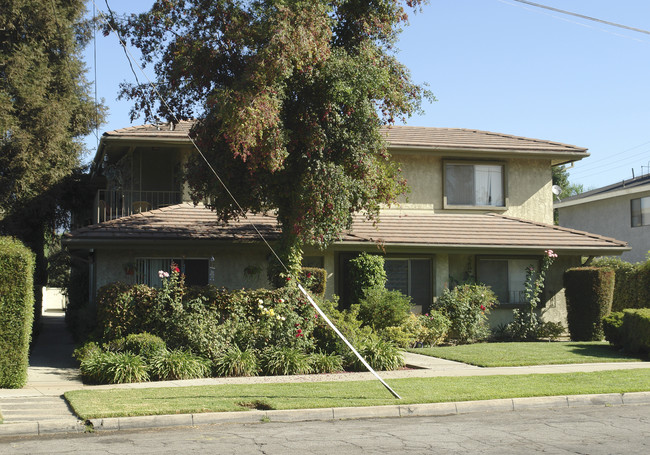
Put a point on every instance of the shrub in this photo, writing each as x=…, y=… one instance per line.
x=380, y=355
x=403, y=336
x=589, y=292
x=380, y=308
x=435, y=327
x=325, y=363
x=613, y=328
x=285, y=361
x=418, y=330
x=550, y=330
x=113, y=368
x=467, y=307
x=122, y=309
x=89, y=348
x=178, y=364
x=636, y=330
x=16, y=311
x=143, y=344
x=366, y=271
x=346, y=321
x=235, y=362
x=627, y=291
x=315, y=280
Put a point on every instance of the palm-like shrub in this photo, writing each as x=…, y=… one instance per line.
x=380, y=355
x=178, y=364
x=235, y=362
x=325, y=363
x=108, y=367
x=285, y=361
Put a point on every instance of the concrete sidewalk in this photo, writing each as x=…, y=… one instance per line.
x=39, y=407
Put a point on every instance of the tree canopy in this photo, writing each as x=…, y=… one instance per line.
x=289, y=98
x=46, y=109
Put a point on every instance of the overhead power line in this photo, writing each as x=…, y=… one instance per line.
x=582, y=16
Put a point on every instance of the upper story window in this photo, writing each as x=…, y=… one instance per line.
x=640, y=209
x=474, y=185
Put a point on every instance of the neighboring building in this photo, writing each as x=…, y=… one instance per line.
x=480, y=208
x=621, y=210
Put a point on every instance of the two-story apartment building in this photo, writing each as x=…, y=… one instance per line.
x=480, y=208
x=620, y=210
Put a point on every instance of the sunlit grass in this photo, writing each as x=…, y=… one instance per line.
x=524, y=354
x=182, y=400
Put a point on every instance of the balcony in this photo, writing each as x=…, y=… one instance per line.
x=113, y=204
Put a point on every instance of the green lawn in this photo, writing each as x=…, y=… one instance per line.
x=181, y=400
x=522, y=354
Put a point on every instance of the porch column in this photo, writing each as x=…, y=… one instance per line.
x=441, y=275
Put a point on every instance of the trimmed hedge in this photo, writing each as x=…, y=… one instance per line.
x=632, y=286
x=636, y=330
x=589, y=292
x=16, y=311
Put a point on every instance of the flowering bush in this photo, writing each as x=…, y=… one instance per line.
x=434, y=327
x=467, y=307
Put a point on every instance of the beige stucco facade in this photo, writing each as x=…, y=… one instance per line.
x=527, y=182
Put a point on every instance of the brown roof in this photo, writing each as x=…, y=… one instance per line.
x=398, y=136
x=468, y=139
x=463, y=231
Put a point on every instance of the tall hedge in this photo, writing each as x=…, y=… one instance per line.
x=589, y=292
x=16, y=311
x=627, y=289
x=366, y=271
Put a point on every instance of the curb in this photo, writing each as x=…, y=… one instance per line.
x=323, y=414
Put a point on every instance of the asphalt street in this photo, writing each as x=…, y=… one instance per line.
x=589, y=430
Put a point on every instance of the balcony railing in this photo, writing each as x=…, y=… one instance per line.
x=113, y=204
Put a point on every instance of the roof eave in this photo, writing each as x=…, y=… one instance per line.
x=557, y=157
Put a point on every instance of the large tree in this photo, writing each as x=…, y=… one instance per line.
x=290, y=97
x=46, y=109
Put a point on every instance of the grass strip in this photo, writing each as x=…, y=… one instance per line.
x=525, y=354
x=89, y=404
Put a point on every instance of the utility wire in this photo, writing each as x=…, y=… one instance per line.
x=221, y=182
x=582, y=16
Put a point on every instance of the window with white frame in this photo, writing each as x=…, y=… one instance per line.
x=474, y=184
x=196, y=271
x=411, y=277
x=506, y=277
x=640, y=211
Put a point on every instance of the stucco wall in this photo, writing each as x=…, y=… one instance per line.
x=528, y=186
x=612, y=218
x=553, y=305
x=229, y=264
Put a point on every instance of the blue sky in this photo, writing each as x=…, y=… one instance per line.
x=502, y=66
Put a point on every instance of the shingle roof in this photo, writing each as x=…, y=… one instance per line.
x=397, y=136
x=638, y=183
x=464, y=139
x=466, y=231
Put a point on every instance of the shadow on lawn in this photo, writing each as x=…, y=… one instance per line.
x=604, y=351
